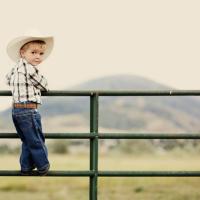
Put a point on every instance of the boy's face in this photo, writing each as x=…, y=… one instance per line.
x=33, y=53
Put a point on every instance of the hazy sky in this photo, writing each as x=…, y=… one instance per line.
x=157, y=39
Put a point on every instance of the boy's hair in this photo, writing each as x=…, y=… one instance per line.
x=25, y=46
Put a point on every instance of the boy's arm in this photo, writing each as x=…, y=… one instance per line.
x=38, y=80
x=8, y=76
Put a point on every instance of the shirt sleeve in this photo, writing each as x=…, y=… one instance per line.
x=8, y=76
x=38, y=80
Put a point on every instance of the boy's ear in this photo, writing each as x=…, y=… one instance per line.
x=21, y=52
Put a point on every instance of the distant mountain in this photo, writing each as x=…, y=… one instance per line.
x=120, y=82
x=130, y=114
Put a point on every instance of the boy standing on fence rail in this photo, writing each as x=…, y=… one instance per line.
x=26, y=84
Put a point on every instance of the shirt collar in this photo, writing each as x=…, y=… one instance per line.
x=21, y=62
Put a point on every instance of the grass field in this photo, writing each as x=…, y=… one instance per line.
x=75, y=188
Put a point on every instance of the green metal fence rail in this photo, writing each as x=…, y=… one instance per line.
x=93, y=173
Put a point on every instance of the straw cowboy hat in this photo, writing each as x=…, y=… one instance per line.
x=14, y=46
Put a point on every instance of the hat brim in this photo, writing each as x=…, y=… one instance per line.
x=14, y=46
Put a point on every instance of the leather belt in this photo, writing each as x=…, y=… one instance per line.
x=25, y=105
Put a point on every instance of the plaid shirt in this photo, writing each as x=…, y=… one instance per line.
x=26, y=82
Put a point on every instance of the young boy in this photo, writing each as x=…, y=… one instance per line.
x=26, y=84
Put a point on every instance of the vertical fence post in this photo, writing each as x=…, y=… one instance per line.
x=93, y=145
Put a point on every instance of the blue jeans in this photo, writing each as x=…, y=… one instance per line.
x=34, y=153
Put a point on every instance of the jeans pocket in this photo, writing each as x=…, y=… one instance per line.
x=24, y=121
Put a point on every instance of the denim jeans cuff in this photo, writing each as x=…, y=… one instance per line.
x=26, y=169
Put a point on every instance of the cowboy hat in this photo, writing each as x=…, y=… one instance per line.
x=14, y=46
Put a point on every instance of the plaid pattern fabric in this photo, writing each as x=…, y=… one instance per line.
x=26, y=82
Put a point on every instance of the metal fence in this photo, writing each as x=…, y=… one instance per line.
x=93, y=173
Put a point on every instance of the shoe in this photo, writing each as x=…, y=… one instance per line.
x=27, y=172
x=44, y=171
